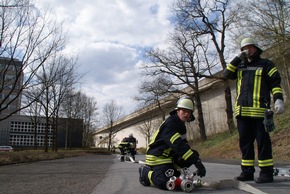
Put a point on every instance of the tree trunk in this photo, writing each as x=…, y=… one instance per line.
x=200, y=118
x=229, y=105
x=35, y=131
x=286, y=80
x=199, y=110
x=110, y=136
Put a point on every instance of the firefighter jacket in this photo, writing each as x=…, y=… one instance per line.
x=128, y=142
x=256, y=80
x=169, y=145
x=132, y=141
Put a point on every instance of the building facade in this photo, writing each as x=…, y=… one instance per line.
x=11, y=80
x=20, y=131
x=26, y=131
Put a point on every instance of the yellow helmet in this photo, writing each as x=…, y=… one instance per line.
x=249, y=41
x=185, y=103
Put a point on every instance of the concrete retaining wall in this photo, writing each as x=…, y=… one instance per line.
x=213, y=106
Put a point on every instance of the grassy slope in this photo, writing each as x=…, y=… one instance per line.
x=225, y=145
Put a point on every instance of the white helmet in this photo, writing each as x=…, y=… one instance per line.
x=185, y=103
x=249, y=41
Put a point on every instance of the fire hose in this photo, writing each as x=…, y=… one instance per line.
x=187, y=182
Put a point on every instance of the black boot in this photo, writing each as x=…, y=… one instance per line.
x=245, y=177
x=143, y=173
x=264, y=179
x=266, y=175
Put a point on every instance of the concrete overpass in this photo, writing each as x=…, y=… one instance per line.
x=139, y=116
x=213, y=103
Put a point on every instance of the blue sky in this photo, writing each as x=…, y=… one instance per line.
x=109, y=37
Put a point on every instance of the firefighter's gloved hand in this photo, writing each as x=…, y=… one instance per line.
x=200, y=169
x=279, y=106
x=243, y=55
x=268, y=121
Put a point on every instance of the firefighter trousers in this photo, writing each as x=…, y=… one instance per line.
x=251, y=129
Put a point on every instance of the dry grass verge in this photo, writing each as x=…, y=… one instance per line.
x=38, y=155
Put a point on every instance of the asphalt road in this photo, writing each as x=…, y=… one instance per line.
x=76, y=175
x=105, y=174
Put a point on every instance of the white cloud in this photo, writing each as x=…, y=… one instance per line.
x=109, y=37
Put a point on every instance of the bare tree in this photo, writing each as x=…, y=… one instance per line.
x=80, y=106
x=65, y=80
x=209, y=20
x=77, y=105
x=180, y=60
x=34, y=111
x=68, y=111
x=54, y=81
x=148, y=127
x=30, y=37
x=154, y=90
x=111, y=113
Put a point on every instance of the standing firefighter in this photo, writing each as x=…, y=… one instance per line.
x=128, y=145
x=256, y=79
x=169, y=149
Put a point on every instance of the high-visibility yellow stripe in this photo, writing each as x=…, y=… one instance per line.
x=257, y=88
x=238, y=86
x=187, y=154
x=231, y=68
x=252, y=112
x=123, y=143
x=239, y=83
x=150, y=177
x=277, y=90
x=166, y=152
x=272, y=71
x=248, y=162
x=152, y=160
x=237, y=109
x=154, y=136
x=249, y=111
x=174, y=137
x=264, y=163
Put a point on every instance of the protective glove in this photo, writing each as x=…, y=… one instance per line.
x=243, y=55
x=279, y=106
x=200, y=169
x=268, y=121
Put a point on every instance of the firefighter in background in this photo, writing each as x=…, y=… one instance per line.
x=256, y=79
x=168, y=149
x=128, y=144
x=133, y=145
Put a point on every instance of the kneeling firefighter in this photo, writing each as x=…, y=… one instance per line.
x=169, y=150
x=128, y=145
